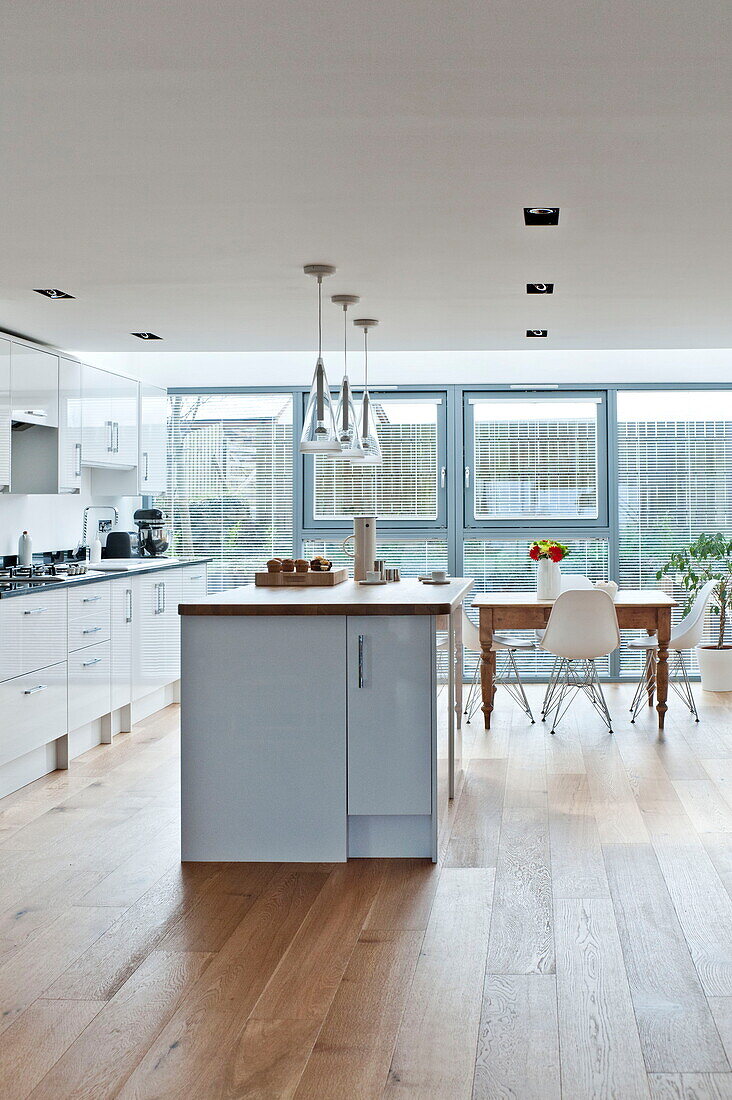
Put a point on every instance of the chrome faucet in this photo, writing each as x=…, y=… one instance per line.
x=97, y=508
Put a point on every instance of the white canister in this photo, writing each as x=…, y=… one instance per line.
x=364, y=546
x=25, y=549
x=548, y=579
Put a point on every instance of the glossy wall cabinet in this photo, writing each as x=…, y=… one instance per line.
x=109, y=419
x=34, y=385
x=153, y=460
x=69, y=425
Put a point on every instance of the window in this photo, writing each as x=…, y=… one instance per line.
x=674, y=480
x=230, y=476
x=413, y=557
x=534, y=458
x=408, y=490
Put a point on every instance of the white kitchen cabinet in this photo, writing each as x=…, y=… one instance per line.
x=109, y=410
x=33, y=385
x=390, y=712
x=122, y=638
x=33, y=709
x=69, y=426
x=4, y=416
x=156, y=660
x=153, y=459
x=89, y=684
x=33, y=632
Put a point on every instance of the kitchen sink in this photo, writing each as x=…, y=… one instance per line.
x=119, y=565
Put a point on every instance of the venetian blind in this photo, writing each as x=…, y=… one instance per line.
x=535, y=458
x=229, y=494
x=404, y=487
x=675, y=482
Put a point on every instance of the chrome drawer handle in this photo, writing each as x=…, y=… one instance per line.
x=32, y=691
x=36, y=611
x=86, y=664
x=91, y=599
x=92, y=630
x=199, y=577
x=36, y=412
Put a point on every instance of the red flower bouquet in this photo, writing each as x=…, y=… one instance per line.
x=548, y=548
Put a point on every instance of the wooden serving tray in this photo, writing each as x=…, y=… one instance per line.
x=301, y=580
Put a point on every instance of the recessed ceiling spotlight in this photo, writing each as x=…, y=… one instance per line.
x=538, y=332
x=146, y=336
x=541, y=215
x=540, y=288
x=55, y=294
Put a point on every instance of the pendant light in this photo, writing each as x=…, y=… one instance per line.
x=347, y=429
x=369, y=435
x=318, y=433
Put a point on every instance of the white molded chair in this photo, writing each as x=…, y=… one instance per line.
x=583, y=626
x=688, y=635
x=507, y=677
x=569, y=583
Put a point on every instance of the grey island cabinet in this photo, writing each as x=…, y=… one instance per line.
x=319, y=724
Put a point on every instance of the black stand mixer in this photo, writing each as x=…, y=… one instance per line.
x=152, y=532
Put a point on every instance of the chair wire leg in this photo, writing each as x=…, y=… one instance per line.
x=473, y=701
x=514, y=686
x=648, y=676
x=550, y=688
x=682, y=685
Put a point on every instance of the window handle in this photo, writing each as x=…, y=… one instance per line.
x=467, y=477
x=443, y=477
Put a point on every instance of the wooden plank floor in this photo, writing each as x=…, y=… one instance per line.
x=575, y=941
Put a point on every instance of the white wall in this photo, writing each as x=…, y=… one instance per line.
x=424, y=367
x=54, y=522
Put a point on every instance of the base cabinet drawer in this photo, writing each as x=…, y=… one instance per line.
x=88, y=598
x=33, y=711
x=89, y=684
x=32, y=632
x=88, y=630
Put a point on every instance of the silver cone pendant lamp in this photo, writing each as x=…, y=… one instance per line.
x=369, y=436
x=347, y=429
x=319, y=432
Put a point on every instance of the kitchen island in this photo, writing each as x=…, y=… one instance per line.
x=313, y=723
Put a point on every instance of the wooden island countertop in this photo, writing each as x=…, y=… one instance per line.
x=406, y=597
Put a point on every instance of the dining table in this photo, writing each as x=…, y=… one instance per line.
x=641, y=609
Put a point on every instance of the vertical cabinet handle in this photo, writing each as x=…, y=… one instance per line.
x=77, y=470
x=145, y=466
x=109, y=424
x=162, y=595
x=360, y=660
x=128, y=598
x=467, y=477
x=116, y=437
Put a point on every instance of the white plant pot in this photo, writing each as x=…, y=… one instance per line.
x=715, y=666
x=548, y=579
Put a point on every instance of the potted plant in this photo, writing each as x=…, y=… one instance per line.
x=548, y=553
x=708, y=558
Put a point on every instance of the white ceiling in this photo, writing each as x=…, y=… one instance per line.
x=174, y=164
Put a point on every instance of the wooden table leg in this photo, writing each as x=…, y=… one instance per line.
x=487, y=663
x=651, y=669
x=664, y=636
